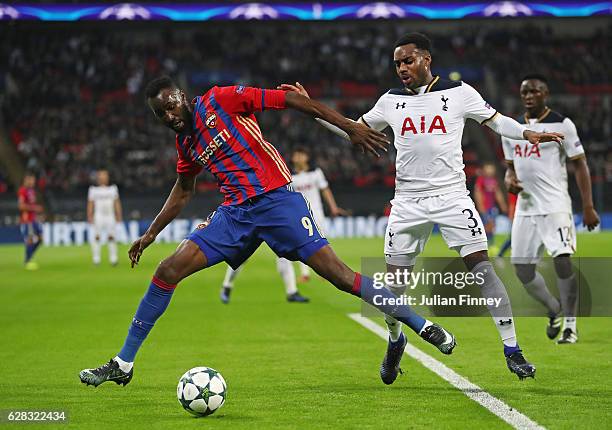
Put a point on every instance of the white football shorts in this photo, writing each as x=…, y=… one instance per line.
x=104, y=227
x=532, y=233
x=412, y=219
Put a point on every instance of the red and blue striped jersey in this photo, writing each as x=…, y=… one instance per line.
x=27, y=196
x=228, y=143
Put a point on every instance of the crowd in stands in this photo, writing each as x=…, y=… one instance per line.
x=71, y=97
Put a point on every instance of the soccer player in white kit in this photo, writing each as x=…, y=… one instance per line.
x=543, y=217
x=103, y=214
x=312, y=184
x=427, y=116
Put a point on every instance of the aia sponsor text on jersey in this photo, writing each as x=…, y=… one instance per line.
x=526, y=150
x=423, y=125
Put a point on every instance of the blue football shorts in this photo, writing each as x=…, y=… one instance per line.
x=30, y=229
x=281, y=218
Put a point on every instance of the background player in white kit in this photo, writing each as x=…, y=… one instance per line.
x=427, y=116
x=543, y=217
x=312, y=184
x=103, y=214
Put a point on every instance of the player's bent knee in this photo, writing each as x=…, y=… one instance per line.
x=525, y=272
x=472, y=259
x=187, y=259
x=563, y=266
x=167, y=272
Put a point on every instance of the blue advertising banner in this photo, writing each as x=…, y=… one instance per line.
x=300, y=11
x=77, y=232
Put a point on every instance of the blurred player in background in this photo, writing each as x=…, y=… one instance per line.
x=427, y=116
x=103, y=214
x=218, y=131
x=285, y=269
x=543, y=219
x=312, y=184
x=489, y=201
x=28, y=219
x=511, y=209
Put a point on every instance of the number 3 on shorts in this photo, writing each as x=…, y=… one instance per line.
x=470, y=216
x=307, y=223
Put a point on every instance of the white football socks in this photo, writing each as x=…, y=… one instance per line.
x=538, y=290
x=493, y=288
x=95, y=250
x=568, y=290
x=304, y=269
x=126, y=366
x=230, y=275
x=569, y=322
x=427, y=324
x=112, y=251
x=394, y=326
x=287, y=272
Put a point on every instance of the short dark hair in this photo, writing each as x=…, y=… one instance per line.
x=156, y=85
x=418, y=39
x=535, y=76
x=301, y=149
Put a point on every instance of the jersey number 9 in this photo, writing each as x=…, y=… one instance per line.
x=307, y=223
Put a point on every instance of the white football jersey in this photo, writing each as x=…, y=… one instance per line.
x=541, y=168
x=310, y=184
x=427, y=127
x=103, y=199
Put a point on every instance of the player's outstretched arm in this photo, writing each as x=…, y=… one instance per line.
x=299, y=88
x=590, y=218
x=179, y=196
x=510, y=128
x=477, y=109
x=366, y=138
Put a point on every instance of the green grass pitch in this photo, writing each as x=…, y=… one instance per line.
x=287, y=365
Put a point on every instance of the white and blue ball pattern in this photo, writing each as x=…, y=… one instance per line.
x=201, y=391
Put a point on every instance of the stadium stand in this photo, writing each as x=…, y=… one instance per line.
x=75, y=103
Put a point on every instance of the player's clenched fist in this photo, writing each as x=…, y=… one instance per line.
x=139, y=246
x=590, y=218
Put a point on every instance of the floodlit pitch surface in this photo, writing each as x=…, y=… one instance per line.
x=286, y=365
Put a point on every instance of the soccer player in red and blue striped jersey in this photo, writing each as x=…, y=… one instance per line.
x=227, y=141
x=28, y=222
x=218, y=132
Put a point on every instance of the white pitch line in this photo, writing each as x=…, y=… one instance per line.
x=473, y=391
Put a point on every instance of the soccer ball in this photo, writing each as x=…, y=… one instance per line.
x=201, y=391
